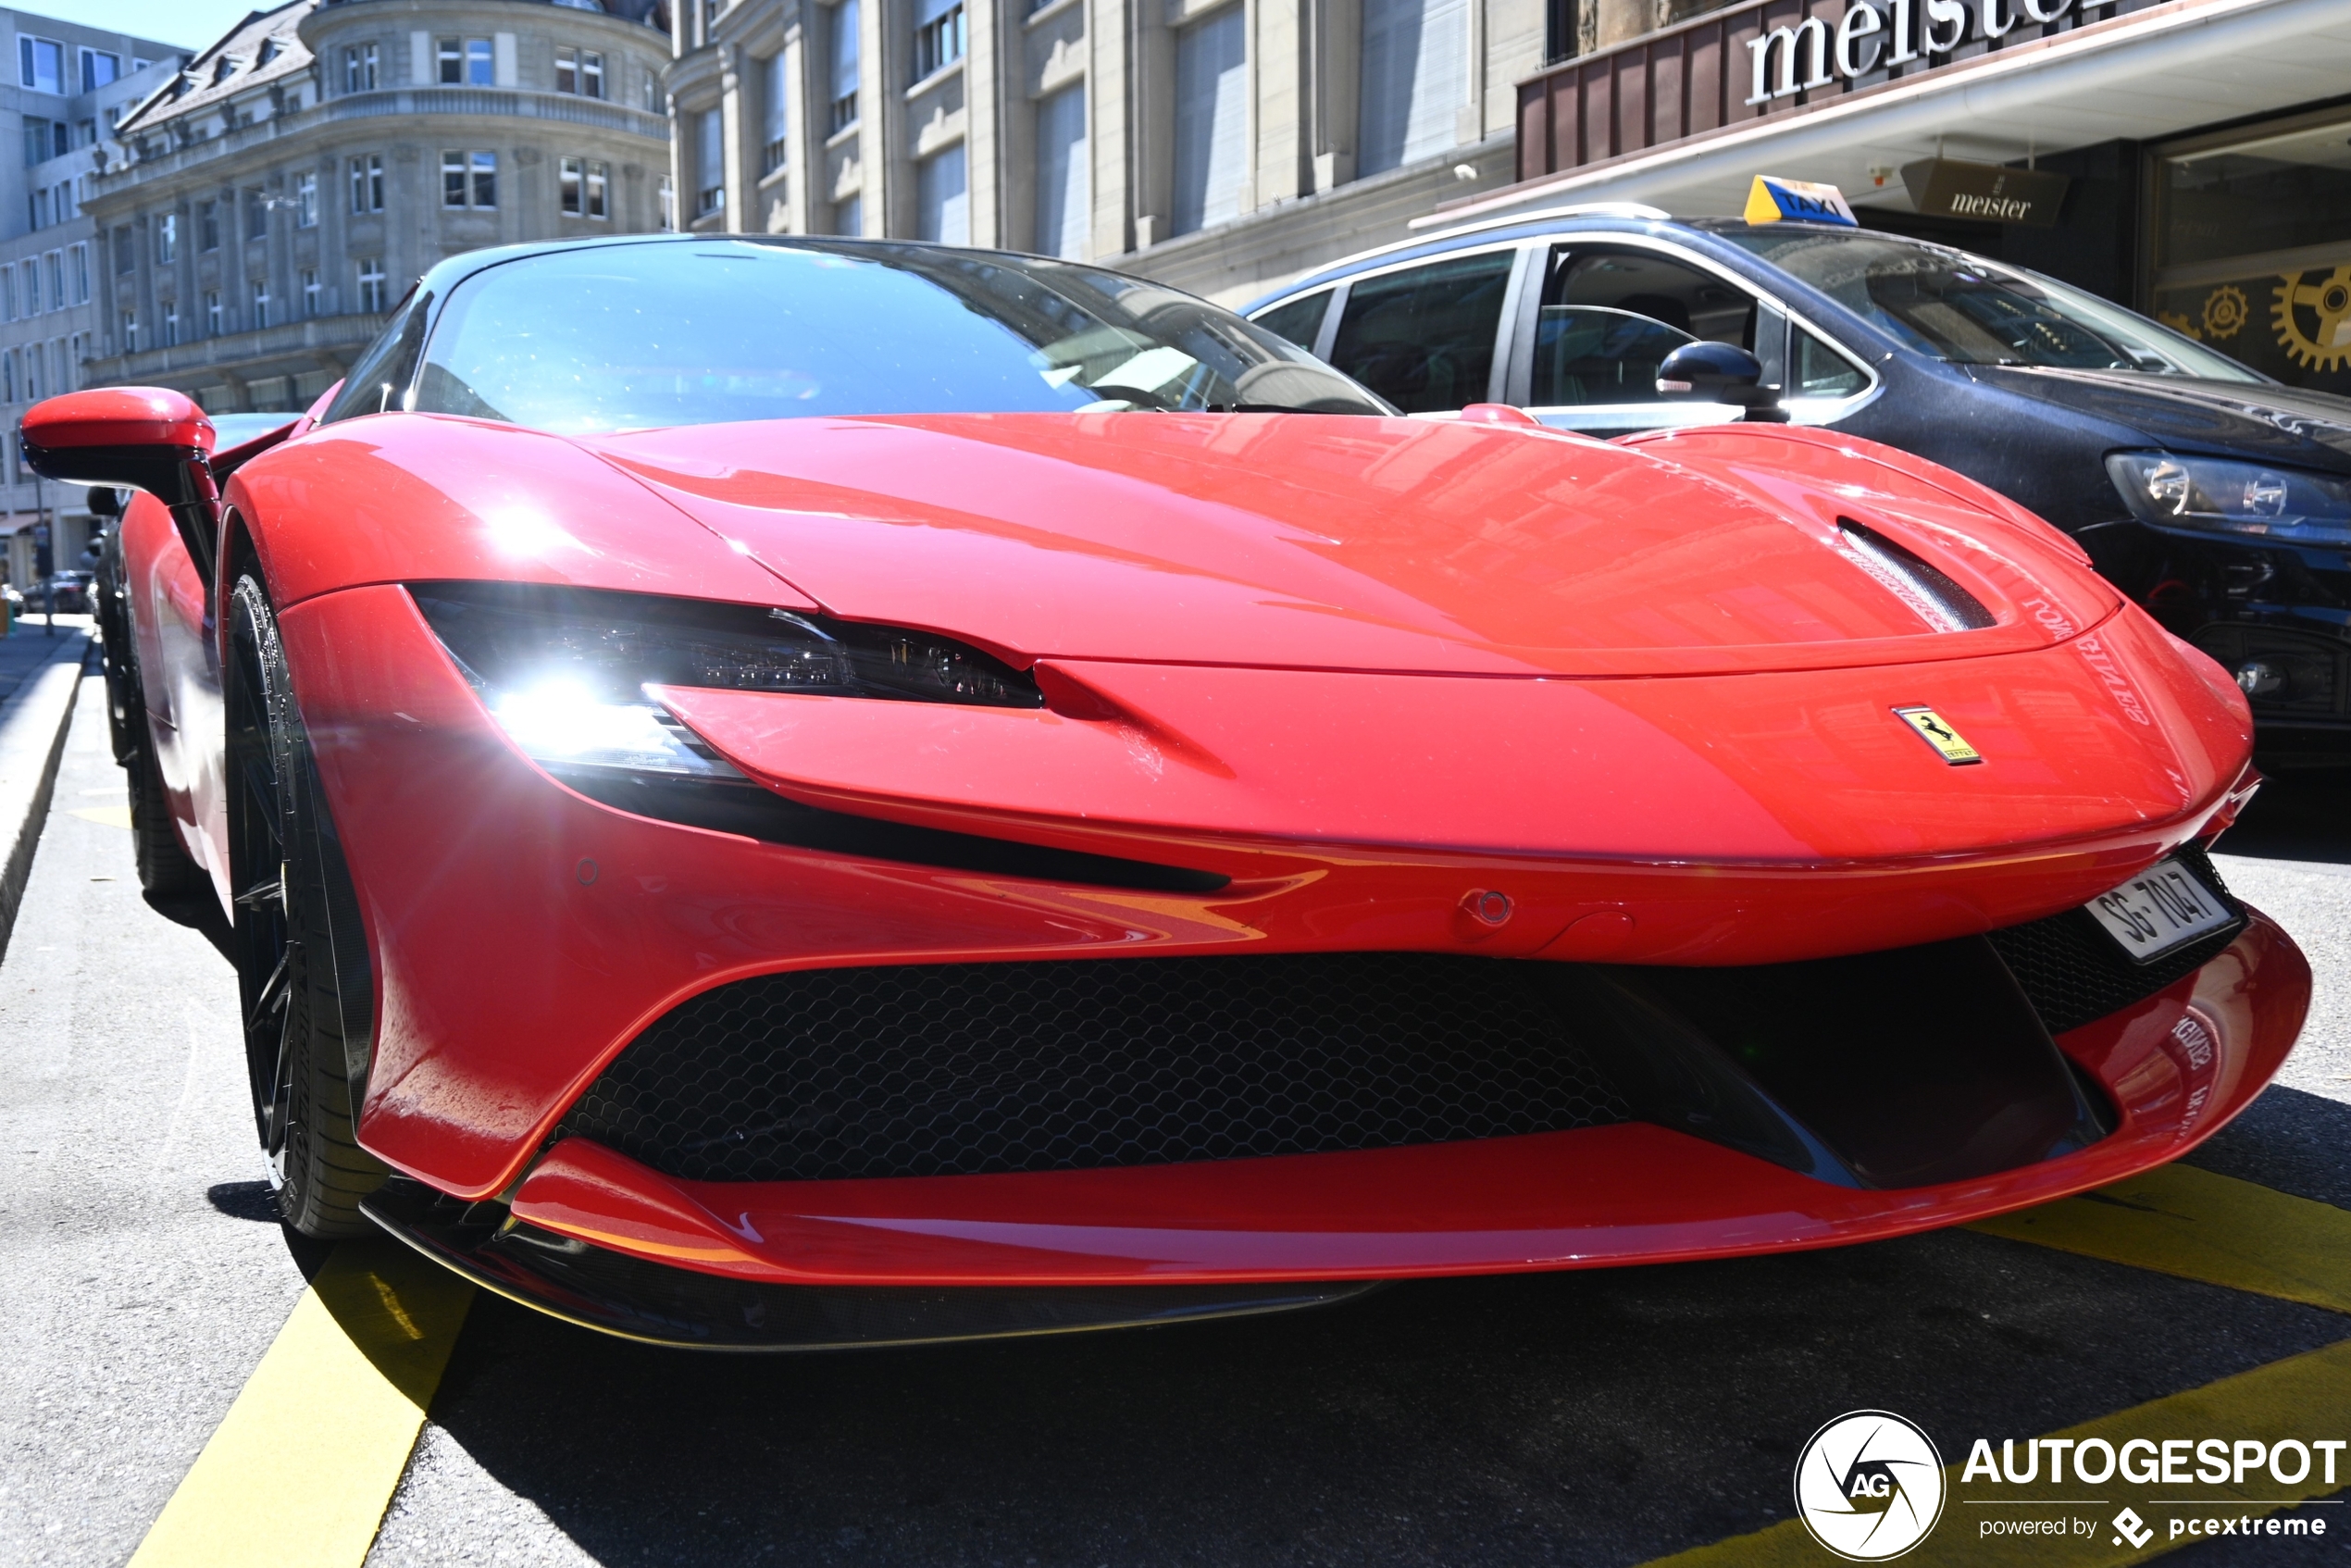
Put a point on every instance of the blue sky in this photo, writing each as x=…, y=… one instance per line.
x=191, y=24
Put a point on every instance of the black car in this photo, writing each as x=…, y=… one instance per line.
x=2216, y=497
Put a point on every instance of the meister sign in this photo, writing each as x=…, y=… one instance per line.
x=1987, y=192
x=1787, y=60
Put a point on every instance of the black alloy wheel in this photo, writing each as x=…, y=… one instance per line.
x=301, y=958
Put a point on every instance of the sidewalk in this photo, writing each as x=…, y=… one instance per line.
x=39, y=675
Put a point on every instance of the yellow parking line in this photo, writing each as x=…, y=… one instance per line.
x=2303, y=1396
x=301, y=1469
x=2181, y=1220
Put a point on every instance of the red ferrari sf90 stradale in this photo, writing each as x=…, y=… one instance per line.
x=791, y=792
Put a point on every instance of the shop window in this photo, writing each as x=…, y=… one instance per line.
x=1423, y=337
x=2252, y=248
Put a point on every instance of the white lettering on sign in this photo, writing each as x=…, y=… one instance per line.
x=1810, y=55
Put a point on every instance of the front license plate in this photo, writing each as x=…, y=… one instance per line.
x=2159, y=909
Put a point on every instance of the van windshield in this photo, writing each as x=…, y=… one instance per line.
x=1963, y=309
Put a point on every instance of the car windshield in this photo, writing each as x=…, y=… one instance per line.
x=688, y=333
x=1964, y=308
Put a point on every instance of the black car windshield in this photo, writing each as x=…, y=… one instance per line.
x=1964, y=308
x=688, y=332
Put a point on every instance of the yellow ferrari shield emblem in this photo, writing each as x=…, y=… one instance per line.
x=1938, y=734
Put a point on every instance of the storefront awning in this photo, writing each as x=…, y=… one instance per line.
x=2154, y=73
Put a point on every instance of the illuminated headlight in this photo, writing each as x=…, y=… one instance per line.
x=2220, y=495
x=567, y=673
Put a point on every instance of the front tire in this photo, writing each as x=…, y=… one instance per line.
x=301, y=967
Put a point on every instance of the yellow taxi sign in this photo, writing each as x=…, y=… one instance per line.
x=1935, y=732
x=1774, y=200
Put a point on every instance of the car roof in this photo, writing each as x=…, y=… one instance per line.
x=1619, y=218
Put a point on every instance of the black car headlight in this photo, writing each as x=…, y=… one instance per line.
x=2224, y=495
x=566, y=671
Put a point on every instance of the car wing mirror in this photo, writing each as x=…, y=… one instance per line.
x=1720, y=373
x=137, y=438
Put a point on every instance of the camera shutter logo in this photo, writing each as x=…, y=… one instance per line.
x=1868, y=1485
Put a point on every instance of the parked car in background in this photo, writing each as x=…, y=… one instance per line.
x=2213, y=496
x=66, y=594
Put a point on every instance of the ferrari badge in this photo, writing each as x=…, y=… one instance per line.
x=1946, y=741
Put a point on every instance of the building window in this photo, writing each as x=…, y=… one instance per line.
x=939, y=35
x=469, y=179
x=668, y=200
x=580, y=71
x=170, y=323
x=481, y=67
x=78, y=264
x=1211, y=120
x=56, y=261
x=31, y=271
x=207, y=226
x=8, y=374
x=942, y=198
x=130, y=331
x=371, y=285
x=359, y=67
x=212, y=313
x=310, y=292
x=306, y=200
x=843, y=112
x=32, y=372
x=1414, y=80
x=776, y=107
x=367, y=184
x=168, y=237
x=41, y=64
x=7, y=293
x=260, y=302
x=99, y=69
x=710, y=146
x=599, y=189
x=256, y=215
x=572, y=186
x=45, y=139
x=126, y=258
x=1062, y=184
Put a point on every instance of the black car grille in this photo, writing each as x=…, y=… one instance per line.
x=961, y=1068
x=2075, y=973
x=968, y=1068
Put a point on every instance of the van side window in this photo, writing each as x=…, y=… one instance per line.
x=1609, y=313
x=1821, y=371
x=1424, y=337
x=1300, y=320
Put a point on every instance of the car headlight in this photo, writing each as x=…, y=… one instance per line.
x=566, y=671
x=2222, y=495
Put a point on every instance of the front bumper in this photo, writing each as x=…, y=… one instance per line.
x=597, y=1238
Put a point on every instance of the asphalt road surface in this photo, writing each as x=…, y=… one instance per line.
x=1595, y=1418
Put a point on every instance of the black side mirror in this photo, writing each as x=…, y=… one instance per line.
x=105, y=502
x=1720, y=373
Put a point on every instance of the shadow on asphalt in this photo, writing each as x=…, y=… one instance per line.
x=2302, y=816
x=200, y=913
x=243, y=1201
x=1599, y=1417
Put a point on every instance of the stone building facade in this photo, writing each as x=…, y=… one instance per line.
x=62, y=89
x=1221, y=145
x=285, y=189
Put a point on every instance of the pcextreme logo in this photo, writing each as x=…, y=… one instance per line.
x=1868, y=1485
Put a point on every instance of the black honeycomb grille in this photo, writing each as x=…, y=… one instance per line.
x=959, y=1069
x=2075, y=974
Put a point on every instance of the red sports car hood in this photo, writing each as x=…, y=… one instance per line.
x=1314, y=542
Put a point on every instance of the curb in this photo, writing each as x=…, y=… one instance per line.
x=32, y=742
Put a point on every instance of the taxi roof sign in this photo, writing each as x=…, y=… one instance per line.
x=1774, y=200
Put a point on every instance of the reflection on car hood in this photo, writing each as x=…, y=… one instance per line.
x=2311, y=429
x=1332, y=542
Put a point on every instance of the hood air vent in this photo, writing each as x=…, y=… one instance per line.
x=1918, y=583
